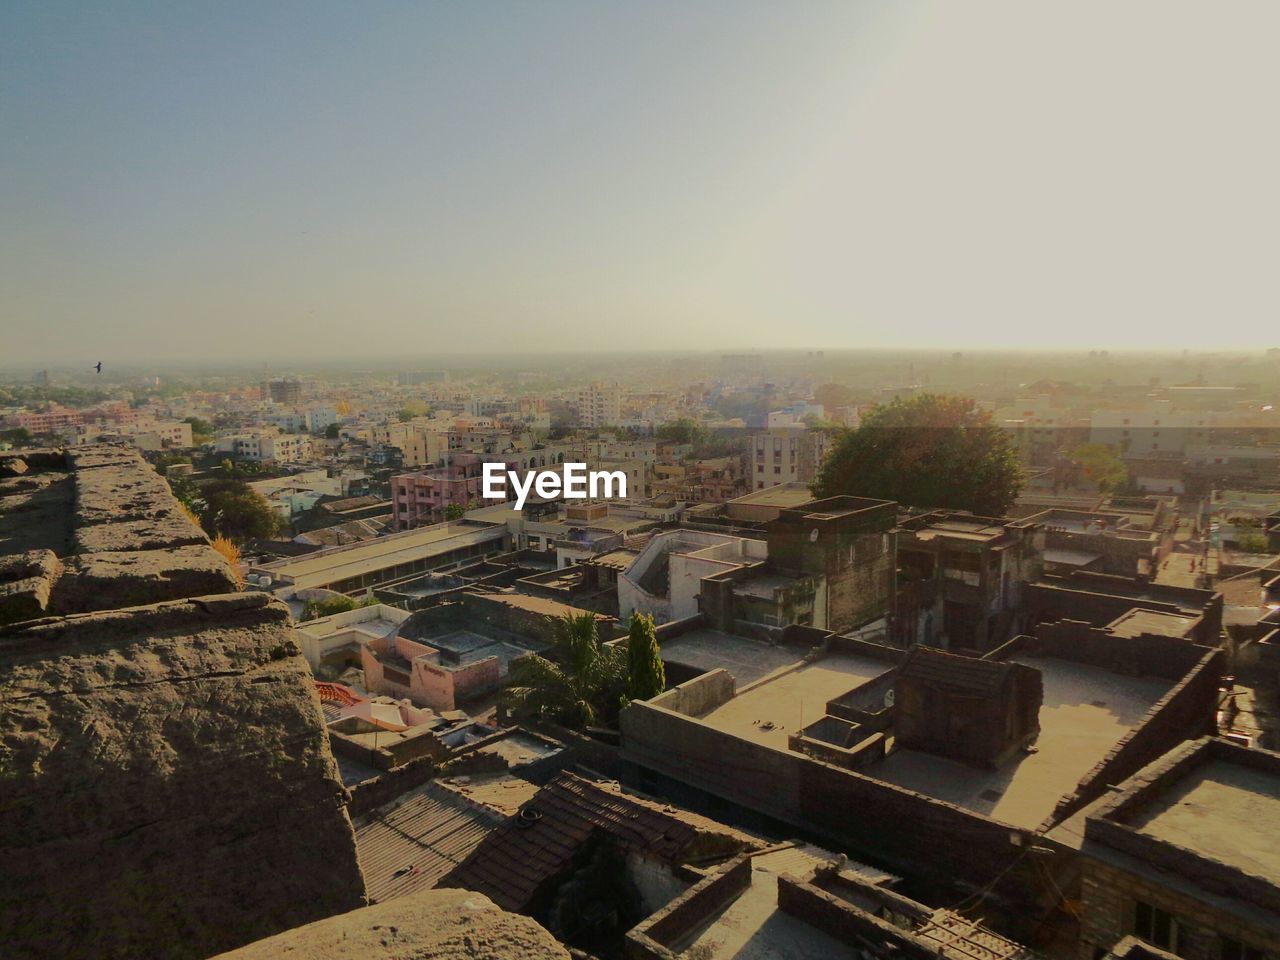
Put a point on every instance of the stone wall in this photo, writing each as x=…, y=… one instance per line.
x=907, y=832
x=428, y=925
x=96, y=528
x=168, y=785
x=1109, y=896
x=655, y=938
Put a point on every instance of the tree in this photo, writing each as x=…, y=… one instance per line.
x=231, y=508
x=331, y=432
x=454, y=511
x=201, y=430
x=580, y=685
x=926, y=451
x=646, y=676
x=683, y=430
x=1099, y=463
x=18, y=436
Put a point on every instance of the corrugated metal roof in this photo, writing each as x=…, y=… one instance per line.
x=411, y=846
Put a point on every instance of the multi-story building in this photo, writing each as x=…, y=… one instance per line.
x=961, y=578
x=282, y=448
x=422, y=497
x=320, y=418
x=288, y=421
x=287, y=391
x=786, y=455
x=50, y=421
x=599, y=405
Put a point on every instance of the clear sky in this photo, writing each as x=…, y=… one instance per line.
x=226, y=180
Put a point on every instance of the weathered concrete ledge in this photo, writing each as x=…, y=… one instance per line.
x=166, y=786
x=430, y=925
x=120, y=535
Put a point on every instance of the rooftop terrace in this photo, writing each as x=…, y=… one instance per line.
x=751, y=927
x=1212, y=812
x=1086, y=710
x=781, y=703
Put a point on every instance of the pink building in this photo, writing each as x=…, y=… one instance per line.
x=52, y=421
x=420, y=498
x=399, y=667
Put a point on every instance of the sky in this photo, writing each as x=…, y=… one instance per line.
x=277, y=179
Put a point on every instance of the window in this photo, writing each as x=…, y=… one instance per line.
x=1158, y=928
x=1235, y=950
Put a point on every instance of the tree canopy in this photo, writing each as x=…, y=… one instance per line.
x=201, y=429
x=926, y=451
x=581, y=684
x=231, y=508
x=683, y=430
x=1100, y=464
x=646, y=676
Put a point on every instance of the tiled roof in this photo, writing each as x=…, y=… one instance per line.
x=951, y=672
x=413, y=845
x=514, y=861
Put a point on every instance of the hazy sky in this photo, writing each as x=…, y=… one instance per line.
x=226, y=180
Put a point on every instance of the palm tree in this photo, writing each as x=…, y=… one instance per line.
x=579, y=685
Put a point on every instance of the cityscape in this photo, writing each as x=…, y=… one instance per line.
x=619, y=482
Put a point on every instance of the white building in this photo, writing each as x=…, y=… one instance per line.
x=282, y=448
x=665, y=579
x=320, y=418
x=600, y=405
x=787, y=455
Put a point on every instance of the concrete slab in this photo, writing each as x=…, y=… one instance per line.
x=753, y=928
x=1216, y=811
x=1086, y=711
x=782, y=704
x=748, y=660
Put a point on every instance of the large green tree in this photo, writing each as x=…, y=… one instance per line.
x=230, y=507
x=1100, y=464
x=926, y=451
x=580, y=684
x=646, y=676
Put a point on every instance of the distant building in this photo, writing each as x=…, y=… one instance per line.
x=786, y=455
x=262, y=447
x=287, y=391
x=599, y=405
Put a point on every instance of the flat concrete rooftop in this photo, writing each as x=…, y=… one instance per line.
x=1136, y=622
x=342, y=563
x=784, y=495
x=753, y=928
x=782, y=703
x=747, y=660
x=1224, y=812
x=472, y=647
x=1086, y=711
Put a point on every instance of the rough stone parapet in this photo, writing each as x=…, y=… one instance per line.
x=168, y=789
x=120, y=535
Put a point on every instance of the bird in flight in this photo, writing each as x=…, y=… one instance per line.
x=98, y=366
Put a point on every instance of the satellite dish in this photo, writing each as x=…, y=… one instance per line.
x=813, y=535
x=888, y=697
